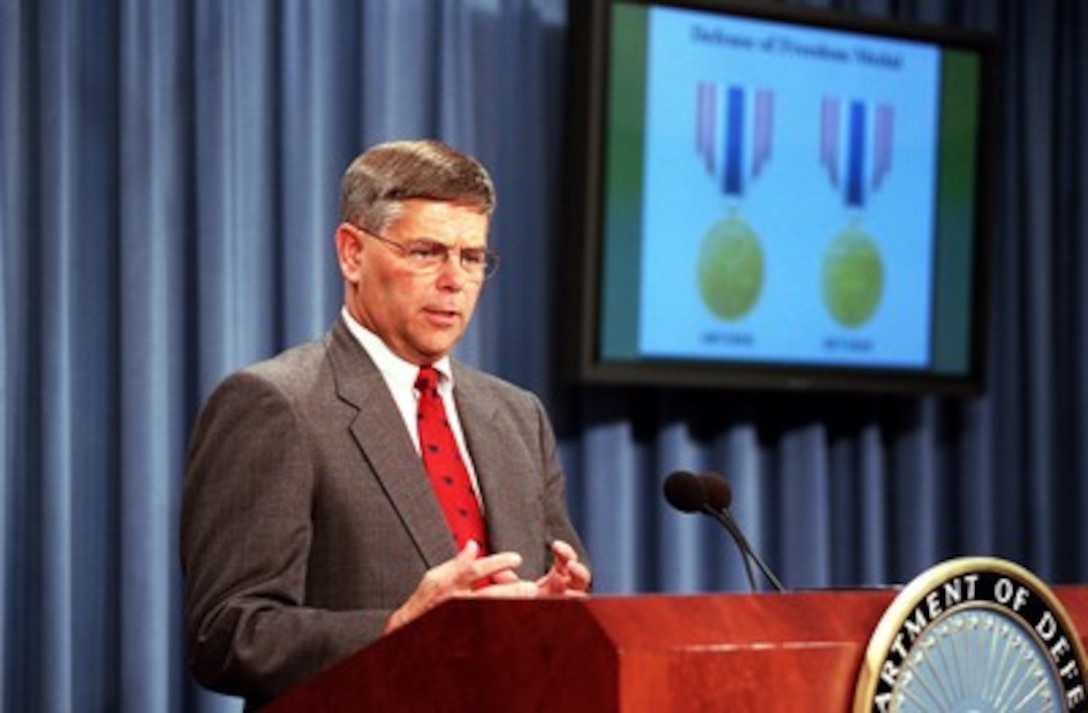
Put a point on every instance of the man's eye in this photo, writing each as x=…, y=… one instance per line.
x=427, y=250
x=473, y=257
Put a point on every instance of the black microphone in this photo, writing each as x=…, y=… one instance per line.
x=688, y=492
x=719, y=493
x=719, y=498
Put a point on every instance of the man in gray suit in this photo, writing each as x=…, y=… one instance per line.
x=309, y=524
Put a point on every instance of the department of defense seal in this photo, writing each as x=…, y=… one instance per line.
x=976, y=634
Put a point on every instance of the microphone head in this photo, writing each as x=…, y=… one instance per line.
x=685, y=491
x=719, y=492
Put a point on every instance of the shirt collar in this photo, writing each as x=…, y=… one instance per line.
x=393, y=367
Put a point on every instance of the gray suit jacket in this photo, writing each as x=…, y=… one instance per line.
x=307, y=516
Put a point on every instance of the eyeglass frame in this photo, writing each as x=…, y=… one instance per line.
x=491, y=259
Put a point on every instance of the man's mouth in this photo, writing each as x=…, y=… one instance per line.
x=442, y=315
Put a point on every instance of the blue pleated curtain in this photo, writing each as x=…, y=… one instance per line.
x=168, y=179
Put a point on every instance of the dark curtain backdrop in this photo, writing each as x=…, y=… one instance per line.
x=168, y=174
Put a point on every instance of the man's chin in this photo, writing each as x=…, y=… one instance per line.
x=433, y=350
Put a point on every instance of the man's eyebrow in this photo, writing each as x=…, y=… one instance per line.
x=427, y=239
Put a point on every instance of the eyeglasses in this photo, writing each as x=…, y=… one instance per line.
x=430, y=255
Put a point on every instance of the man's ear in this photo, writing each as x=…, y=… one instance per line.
x=349, y=248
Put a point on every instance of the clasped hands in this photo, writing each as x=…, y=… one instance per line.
x=461, y=577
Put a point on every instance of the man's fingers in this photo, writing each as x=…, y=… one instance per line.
x=518, y=589
x=488, y=567
x=468, y=553
x=505, y=577
x=564, y=552
x=575, y=574
x=456, y=577
x=579, y=575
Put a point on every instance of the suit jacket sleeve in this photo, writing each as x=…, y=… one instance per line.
x=246, y=533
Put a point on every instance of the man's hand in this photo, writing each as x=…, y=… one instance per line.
x=460, y=577
x=491, y=577
x=568, y=576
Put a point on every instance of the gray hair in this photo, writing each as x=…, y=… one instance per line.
x=379, y=179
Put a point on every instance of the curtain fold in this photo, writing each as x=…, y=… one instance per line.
x=168, y=191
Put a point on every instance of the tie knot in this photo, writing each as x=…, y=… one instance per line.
x=427, y=379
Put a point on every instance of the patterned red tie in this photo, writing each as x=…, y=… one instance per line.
x=442, y=459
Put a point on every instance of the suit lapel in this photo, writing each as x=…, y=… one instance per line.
x=379, y=432
x=498, y=472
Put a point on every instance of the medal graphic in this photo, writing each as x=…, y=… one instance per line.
x=853, y=270
x=730, y=265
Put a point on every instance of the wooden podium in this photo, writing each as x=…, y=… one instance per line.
x=764, y=652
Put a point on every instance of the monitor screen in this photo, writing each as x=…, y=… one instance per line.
x=779, y=198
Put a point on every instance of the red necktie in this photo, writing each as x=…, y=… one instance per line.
x=442, y=459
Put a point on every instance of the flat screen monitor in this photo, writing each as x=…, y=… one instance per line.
x=771, y=197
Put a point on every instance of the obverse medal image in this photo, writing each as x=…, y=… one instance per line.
x=730, y=119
